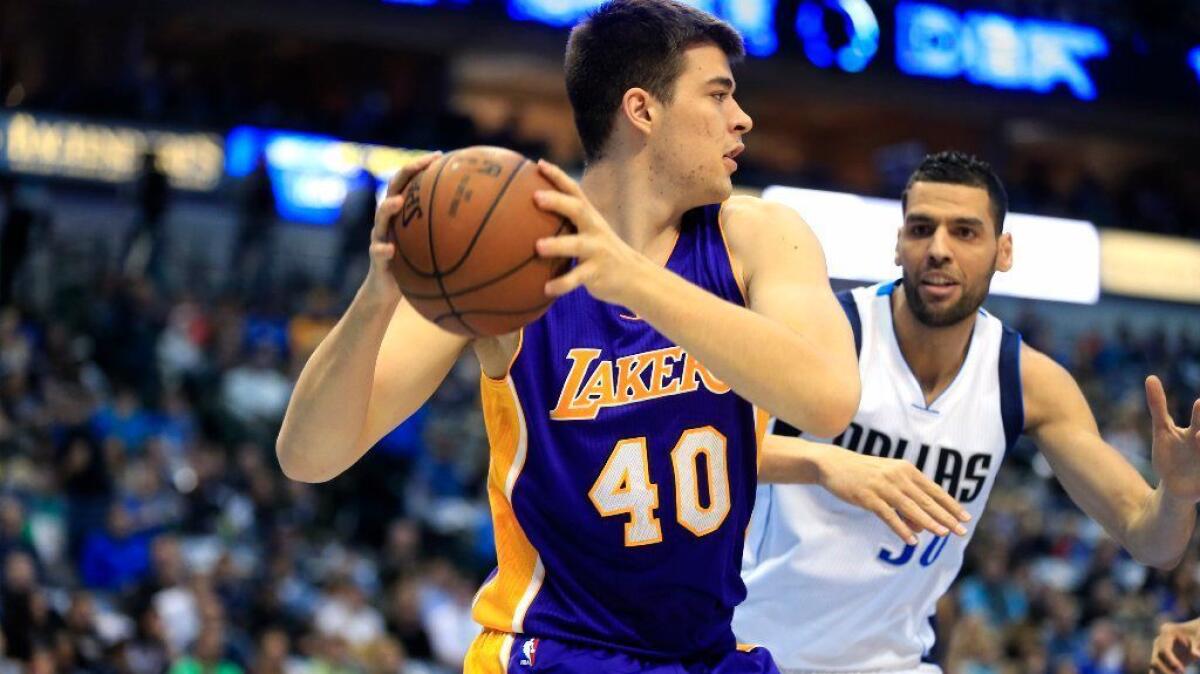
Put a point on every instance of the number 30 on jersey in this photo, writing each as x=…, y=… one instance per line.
x=624, y=486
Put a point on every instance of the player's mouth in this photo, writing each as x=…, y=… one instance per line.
x=729, y=157
x=938, y=286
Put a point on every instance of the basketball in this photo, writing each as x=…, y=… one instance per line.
x=465, y=255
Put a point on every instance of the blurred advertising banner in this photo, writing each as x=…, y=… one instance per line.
x=1053, y=258
x=312, y=174
x=65, y=147
x=967, y=44
x=1151, y=266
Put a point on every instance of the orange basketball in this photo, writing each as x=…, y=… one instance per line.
x=465, y=255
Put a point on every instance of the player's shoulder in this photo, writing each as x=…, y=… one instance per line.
x=742, y=211
x=1045, y=384
x=1038, y=368
x=753, y=226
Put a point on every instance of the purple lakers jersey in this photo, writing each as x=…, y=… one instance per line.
x=622, y=476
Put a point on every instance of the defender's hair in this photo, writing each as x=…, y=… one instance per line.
x=960, y=168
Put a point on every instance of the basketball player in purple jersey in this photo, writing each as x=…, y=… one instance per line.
x=624, y=424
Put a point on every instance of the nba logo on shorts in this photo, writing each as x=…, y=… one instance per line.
x=529, y=652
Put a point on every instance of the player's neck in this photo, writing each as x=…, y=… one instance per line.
x=935, y=355
x=643, y=213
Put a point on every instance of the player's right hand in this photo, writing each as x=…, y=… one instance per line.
x=899, y=494
x=1176, y=646
x=380, y=283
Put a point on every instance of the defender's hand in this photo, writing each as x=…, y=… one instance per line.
x=605, y=264
x=899, y=494
x=1176, y=451
x=380, y=283
x=1176, y=646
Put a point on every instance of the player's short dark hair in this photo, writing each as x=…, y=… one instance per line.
x=960, y=168
x=633, y=43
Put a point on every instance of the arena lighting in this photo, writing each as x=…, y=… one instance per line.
x=312, y=174
x=1150, y=265
x=754, y=19
x=1194, y=60
x=997, y=50
x=860, y=23
x=1054, y=259
x=65, y=147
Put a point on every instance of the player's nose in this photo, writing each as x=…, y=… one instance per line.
x=742, y=123
x=939, y=245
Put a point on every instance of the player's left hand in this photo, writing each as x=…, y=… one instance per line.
x=1176, y=646
x=1176, y=451
x=604, y=262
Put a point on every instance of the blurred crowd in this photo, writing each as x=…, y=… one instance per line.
x=145, y=526
x=144, y=523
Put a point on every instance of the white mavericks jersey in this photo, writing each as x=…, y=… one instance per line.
x=831, y=587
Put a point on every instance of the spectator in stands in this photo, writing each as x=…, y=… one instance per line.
x=208, y=655
x=16, y=229
x=256, y=211
x=354, y=228
x=146, y=245
x=118, y=557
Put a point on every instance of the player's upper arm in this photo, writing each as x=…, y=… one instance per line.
x=785, y=277
x=1054, y=405
x=1059, y=420
x=414, y=358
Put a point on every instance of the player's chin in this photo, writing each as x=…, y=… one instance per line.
x=722, y=189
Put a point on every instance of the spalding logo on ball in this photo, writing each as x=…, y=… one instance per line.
x=465, y=242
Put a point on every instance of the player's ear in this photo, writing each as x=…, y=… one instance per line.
x=1004, y=256
x=899, y=233
x=638, y=106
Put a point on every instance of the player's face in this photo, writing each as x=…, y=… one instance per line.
x=949, y=251
x=702, y=128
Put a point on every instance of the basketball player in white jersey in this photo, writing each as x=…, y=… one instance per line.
x=947, y=388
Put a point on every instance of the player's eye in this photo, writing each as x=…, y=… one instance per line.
x=966, y=233
x=721, y=96
x=919, y=230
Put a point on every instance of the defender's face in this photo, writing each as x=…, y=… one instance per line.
x=949, y=251
x=702, y=127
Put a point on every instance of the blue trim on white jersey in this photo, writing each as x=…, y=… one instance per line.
x=1012, y=402
x=846, y=298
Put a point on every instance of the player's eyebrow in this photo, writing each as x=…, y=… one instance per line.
x=726, y=82
x=971, y=222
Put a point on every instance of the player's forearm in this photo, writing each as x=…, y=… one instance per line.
x=1145, y=521
x=791, y=460
x=766, y=363
x=328, y=408
x=1159, y=534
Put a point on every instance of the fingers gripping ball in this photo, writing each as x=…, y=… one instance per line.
x=465, y=242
